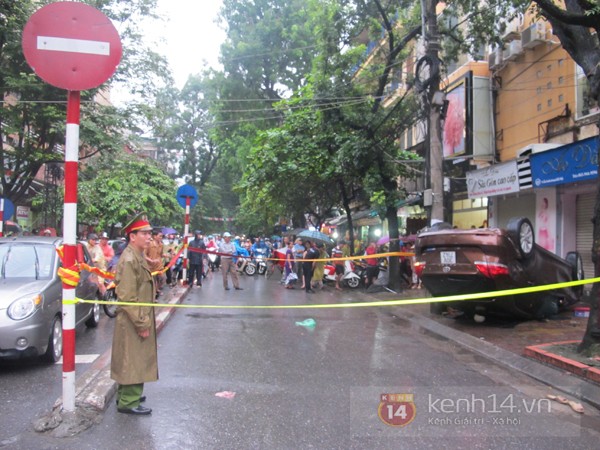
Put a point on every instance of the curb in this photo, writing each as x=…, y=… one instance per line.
x=539, y=352
x=560, y=380
x=95, y=388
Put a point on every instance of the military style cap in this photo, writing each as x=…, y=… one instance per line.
x=138, y=223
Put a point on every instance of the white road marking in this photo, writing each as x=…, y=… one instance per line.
x=81, y=359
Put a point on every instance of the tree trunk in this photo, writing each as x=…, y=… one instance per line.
x=592, y=331
x=395, y=280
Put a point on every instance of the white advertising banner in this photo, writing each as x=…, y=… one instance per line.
x=498, y=179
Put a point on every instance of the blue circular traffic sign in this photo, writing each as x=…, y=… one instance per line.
x=9, y=209
x=187, y=191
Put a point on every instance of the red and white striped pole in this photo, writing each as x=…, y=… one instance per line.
x=186, y=231
x=70, y=247
x=1, y=216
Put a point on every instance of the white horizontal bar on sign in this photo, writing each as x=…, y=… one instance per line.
x=58, y=44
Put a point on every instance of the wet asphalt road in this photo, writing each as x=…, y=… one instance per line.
x=321, y=387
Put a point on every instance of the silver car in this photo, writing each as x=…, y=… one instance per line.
x=31, y=297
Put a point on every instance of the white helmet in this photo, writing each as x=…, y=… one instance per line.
x=227, y=234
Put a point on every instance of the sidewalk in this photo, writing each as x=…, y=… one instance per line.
x=523, y=345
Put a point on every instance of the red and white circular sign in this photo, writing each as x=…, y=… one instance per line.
x=72, y=45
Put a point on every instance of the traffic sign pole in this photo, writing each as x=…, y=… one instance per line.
x=75, y=47
x=186, y=231
x=70, y=247
x=1, y=216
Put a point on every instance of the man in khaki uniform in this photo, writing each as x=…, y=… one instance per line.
x=154, y=257
x=134, y=351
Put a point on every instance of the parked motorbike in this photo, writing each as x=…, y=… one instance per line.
x=350, y=278
x=261, y=262
x=110, y=296
x=177, y=271
x=246, y=265
x=214, y=261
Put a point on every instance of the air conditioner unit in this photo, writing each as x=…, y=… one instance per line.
x=534, y=35
x=495, y=58
x=513, y=50
x=499, y=56
x=511, y=32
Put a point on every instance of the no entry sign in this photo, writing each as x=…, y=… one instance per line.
x=71, y=45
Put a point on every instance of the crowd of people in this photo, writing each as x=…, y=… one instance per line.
x=300, y=260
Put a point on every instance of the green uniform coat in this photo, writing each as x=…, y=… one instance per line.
x=134, y=360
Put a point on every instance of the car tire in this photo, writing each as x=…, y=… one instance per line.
x=94, y=319
x=55, y=342
x=576, y=262
x=521, y=231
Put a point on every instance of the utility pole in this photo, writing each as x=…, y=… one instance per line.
x=435, y=100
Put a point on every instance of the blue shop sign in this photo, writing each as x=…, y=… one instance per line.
x=567, y=164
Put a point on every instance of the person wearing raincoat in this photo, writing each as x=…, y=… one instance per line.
x=134, y=351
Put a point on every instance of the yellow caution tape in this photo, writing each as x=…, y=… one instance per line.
x=412, y=301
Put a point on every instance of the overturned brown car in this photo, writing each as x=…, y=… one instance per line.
x=453, y=261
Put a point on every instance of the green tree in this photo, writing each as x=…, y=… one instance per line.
x=335, y=137
x=33, y=116
x=112, y=189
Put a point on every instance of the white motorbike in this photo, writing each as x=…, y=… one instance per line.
x=214, y=261
x=261, y=262
x=350, y=278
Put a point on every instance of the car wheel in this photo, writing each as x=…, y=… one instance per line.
x=521, y=231
x=575, y=261
x=55, y=342
x=353, y=282
x=94, y=319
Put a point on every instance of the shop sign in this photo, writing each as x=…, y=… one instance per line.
x=23, y=212
x=498, y=179
x=570, y=163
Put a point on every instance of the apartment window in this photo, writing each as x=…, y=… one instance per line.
x=584, y=104
x=549, y=85
x=539, y=107
x=549, y=67
x=561, y=98
x=538, y=91
x=539, y=74
x=561, y=62
x=561, y=80
x=549, y=102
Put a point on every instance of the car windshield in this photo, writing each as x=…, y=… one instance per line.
x=27, y=261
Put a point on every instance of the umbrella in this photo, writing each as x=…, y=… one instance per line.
x=409, y=239
x=168, y=230
x=294, y=232
x=316, y=236
x=383, y=240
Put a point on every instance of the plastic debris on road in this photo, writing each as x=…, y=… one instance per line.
x=309, y=323
x=225, y=394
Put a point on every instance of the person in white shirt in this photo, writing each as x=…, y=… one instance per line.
x=228, y=251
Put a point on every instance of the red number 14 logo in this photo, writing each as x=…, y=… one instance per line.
x=397, y=410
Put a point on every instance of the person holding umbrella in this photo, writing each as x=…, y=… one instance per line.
x=311, y=252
